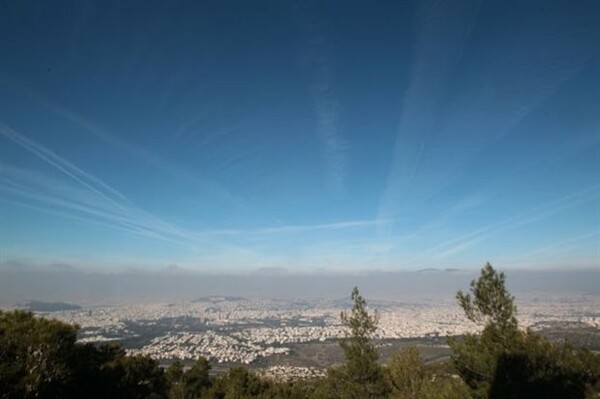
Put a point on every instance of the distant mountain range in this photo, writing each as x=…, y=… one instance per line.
x=434, y=270
x=218, y=298
x=39, y=306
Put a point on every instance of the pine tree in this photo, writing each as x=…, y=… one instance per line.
x=174, y=379
x=491, y=304
x=197, y=378
x=492, y=307
x=505, y=361
x=407, y=373
x=361, y=377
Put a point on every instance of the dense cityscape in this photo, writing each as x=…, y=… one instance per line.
x=241, y=330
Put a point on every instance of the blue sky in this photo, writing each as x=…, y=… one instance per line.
x=338, y=136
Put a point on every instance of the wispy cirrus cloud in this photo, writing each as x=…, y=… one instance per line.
x=77, y=174
x=562, y=245
x=77, y=195
x=540, y=212
x=138, y=152
x=293, y=229
x=151, y=158
x=458, y=248
x=320, y=54
x=90, y=199
x=441, y=34
x=450, y=126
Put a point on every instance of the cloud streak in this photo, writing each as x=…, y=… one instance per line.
x=443, y=125
x=138, y=152
x=293, y=229
x=535, y=214
x=429, y=77
x=561, y=245
x=86, y=199
x=91, y=199
x=320, y=55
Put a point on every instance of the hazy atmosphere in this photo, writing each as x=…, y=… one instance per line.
x=298, y=137
x=426, y=285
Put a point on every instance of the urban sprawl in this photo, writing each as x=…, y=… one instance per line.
x=240, y=330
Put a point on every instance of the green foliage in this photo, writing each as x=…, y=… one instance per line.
x=35, y=356
x=361, y=376
x=197, y=378
x=445, y=387
x=362, y=325
x=407, y=373
x=504, y=361
x=174, y=373
x=239, y=383
x=411, y=378
x=491, y=303
x=542, y=370
x=95, y=375
x=189, y=384
x=174, y=380
x=140, y=377
x=39, y=358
